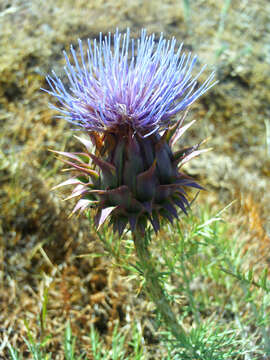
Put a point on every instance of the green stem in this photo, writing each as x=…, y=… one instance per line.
x=154, y=289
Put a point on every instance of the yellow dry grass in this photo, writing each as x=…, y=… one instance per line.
x=39, y=248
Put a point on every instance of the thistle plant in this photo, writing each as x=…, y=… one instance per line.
x=131, y=98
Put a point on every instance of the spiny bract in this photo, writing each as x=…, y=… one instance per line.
x=125, y=95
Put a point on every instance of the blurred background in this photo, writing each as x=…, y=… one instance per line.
x=40, y=247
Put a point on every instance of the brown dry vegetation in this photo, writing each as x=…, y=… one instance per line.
x=39, y=245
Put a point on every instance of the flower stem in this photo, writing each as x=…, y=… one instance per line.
x=154, y=288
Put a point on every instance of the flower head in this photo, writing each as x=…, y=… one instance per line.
x=141, y=83
x=125, y=94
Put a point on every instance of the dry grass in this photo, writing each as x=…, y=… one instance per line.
x=40, y=249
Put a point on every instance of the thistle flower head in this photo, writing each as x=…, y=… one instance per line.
x=120, y=81
x=125, y=94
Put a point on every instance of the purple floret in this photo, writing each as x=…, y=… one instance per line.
x=142, y=83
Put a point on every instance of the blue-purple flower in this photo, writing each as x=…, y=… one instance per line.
x=126, y=94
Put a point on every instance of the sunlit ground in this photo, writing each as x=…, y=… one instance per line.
x=56, y=270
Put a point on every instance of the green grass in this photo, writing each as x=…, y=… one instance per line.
x=220, y=298
x=39, y=349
